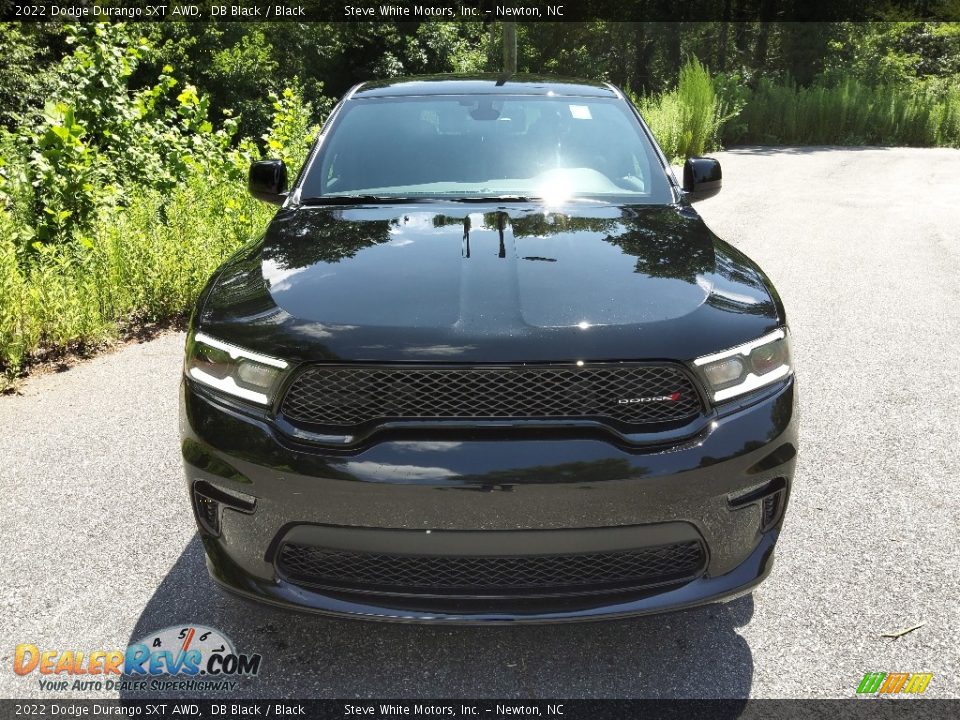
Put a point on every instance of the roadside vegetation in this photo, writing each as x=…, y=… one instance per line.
x=706, y=112
x=118, y=203
x=124, y=149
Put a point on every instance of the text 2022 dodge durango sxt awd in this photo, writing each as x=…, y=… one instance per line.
x=488, y=364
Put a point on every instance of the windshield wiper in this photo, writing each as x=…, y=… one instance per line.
x=518, y=199
x=398, y=200
x=355, y=200
x=492, y=198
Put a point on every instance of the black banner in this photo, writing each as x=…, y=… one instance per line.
x=475, y=10
x=854, y=709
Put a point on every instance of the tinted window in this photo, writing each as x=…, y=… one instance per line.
x=450, y=146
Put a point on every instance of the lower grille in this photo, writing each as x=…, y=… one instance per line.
x=495, y=575
x=351, y=396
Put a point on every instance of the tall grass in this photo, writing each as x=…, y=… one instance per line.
x=144, y=262
x=695, y=117
x=850, y=113
x=687, y=120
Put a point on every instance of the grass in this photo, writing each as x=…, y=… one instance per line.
x=702, y=114
x=687, y=120
x=144, y=262
x=850, y=113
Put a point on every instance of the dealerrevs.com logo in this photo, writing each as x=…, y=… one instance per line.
x=191, y=657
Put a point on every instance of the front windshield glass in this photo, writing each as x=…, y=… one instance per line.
x=553, y=148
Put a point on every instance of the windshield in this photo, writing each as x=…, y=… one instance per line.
x=552, y=148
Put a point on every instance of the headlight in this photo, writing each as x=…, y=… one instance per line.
x=233, y=370
x=746, y=367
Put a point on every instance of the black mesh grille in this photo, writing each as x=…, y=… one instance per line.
x=352, y=396
x=413, y=574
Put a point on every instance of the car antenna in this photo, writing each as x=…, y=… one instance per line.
x=503, y=79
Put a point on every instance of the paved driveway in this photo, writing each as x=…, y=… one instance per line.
x=98, y=545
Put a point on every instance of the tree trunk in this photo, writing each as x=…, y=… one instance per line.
x=643, y=45
x=509, y=48
x=674, y=55
x=721, y=63
x=763, y=34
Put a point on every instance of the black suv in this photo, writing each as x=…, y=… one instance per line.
x=488, y=364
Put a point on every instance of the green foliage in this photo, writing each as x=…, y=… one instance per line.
x=145, y=261
x=121, y=202
x=65, y=172
x=569, y=49
x=291, y=133
x=243, y=72
x=704, y=111
x=851, y=113
x=101, y=137
x=153, y=257
x=893, y=52
x=19, y=331
x=687, y=120
x=23, y=83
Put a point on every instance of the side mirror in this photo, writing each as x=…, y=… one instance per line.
x=268, y=181
x=702, y=178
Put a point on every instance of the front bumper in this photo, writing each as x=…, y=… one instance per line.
x=725, y=488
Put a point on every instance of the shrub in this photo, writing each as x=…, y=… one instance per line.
x=687, y=120
x=291, y=133
x=704, y=110
x=110, y=219
x=850, y=113
x=100, y=139
x=145, y=261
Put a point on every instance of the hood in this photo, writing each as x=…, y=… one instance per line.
x=465, y=283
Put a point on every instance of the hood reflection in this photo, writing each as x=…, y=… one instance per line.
x=442, y=282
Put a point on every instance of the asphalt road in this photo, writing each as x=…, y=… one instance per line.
x=98, y=546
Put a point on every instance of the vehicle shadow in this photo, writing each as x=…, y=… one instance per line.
x=695, y=653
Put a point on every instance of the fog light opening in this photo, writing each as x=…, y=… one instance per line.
x=209, y=502
x=771, y=510
x=757, y=493
x=208, y=512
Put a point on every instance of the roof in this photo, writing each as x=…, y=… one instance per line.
x=483, y=85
